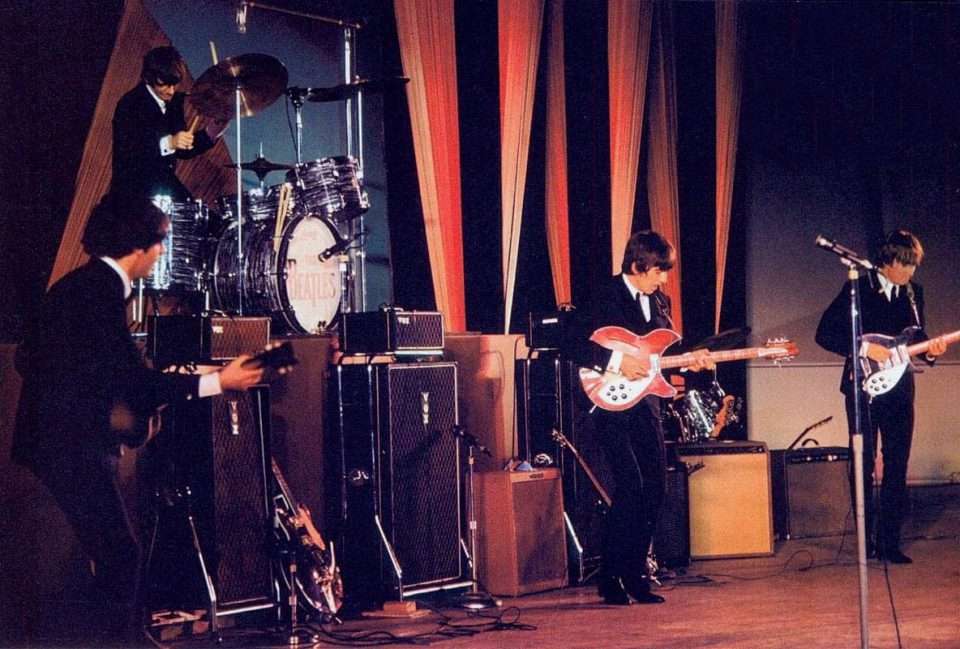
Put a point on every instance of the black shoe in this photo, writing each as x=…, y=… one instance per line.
x=639, y=590
x=612, y=591
x=894, y=556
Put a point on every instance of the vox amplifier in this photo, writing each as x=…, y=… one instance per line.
x=185, y=339
x=393, y=331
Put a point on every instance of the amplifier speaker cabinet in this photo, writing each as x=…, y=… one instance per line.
x=211, y=464
x=671, y=541
x=393, y=331
x=731, y=514
x=185, y=339
x=811, y=492
x=522, y=541
x=397, y=470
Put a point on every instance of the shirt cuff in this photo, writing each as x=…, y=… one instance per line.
x=615, y=359
x=863, y=348
x=209, y=385
x=165, y=148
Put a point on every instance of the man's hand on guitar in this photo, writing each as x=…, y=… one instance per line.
x=236, y=376
x=701, y=361
x=634, y=368
x=937, y=347
x=878, y=353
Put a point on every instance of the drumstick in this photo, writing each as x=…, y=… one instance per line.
x=194, y=123
x=285, y=189
x=213, y=53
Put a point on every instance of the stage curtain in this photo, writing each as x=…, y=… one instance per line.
x=520, y=27
x=729, y=84
x=628, y=50
x=556, y=204
x=204, y=176
x=662, y=183
x=427, y=49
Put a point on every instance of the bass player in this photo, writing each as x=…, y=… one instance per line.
x=890, y=301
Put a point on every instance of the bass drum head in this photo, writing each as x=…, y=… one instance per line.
x=309, y=288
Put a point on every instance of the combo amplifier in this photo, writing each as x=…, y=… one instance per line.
x=545, y=330
x=811, y=491
x=187, y=339
x=393, y=331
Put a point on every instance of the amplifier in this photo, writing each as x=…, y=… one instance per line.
x=186, y=339
x=393, y=331
x=545, y=330
x=811, y=491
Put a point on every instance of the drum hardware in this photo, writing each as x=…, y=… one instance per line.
x=260, y=166
x=701, y=415
x=351, y=90
x=253, y=81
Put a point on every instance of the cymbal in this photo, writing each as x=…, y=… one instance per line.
x=350, y=90
x=260, y=166
x=727, y=339
x=260, y=78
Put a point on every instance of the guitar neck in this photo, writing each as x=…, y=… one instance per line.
x=284, y=487
x=920, y=348
x=586, y=469
x=683, y=360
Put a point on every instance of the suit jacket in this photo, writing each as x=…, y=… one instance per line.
x=139, y=169
x=78, y=362
x=614, y=306
x=878, y=315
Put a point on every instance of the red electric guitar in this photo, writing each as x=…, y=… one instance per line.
x=612, y=391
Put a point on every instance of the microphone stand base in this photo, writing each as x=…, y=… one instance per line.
x=479, y=601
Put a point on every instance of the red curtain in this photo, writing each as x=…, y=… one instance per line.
x=520, y=26
x=556, y=207
x=729, y=83
x=662, y=175
x=204, y=176
x=426, y=33
x=628, y=53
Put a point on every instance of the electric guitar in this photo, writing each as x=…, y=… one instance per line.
x=317, y=576
x=562, y=440
x=880, y=377
x=136, y=429
x=612, y=391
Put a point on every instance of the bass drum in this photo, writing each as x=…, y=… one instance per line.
x=288, y=282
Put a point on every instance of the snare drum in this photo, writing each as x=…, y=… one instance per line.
x=181, y=266
x=291, y=284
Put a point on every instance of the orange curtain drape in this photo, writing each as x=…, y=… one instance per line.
x=662, y=174
x=729, y=84
x=520, y=27
x=556, y=183
x=427, y=49
x=628, y=53
x=204, y=176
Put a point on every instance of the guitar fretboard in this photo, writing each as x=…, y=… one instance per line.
x=682, y=360
x=920, y=348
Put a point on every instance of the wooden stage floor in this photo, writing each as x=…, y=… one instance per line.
x=804, y=596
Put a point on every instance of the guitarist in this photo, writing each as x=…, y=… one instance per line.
x=890, y=301
x=84, y=383
x=632, y=439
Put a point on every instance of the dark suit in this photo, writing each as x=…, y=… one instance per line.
x=79, y=364
x=139, y=169
x=889, y=415
x=632, y=440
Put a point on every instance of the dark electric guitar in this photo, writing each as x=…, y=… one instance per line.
x=136, y=429
x=880, y=377
x=317, y=575
x=612, y=391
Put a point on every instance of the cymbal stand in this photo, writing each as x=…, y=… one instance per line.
x=296, y=98
x=241, y=271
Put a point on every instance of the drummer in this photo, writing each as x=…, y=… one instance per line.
x=150, y=133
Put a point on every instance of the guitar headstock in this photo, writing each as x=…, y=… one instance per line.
x=559, y=438
x=779, y=350
x=275, y=358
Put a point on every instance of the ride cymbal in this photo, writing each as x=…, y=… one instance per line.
x=260, y=78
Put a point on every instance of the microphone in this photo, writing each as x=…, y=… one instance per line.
x=338, y=247
x=242, y=17
x=470, y=440
x=843, y=251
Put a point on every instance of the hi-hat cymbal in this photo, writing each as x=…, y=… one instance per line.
x=261, y=166
x=350, y=90
x=260, y=78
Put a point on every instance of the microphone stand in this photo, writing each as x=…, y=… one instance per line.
x=475, y=599
x=854, y=264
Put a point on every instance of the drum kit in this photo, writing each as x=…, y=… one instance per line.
x=279, y=250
